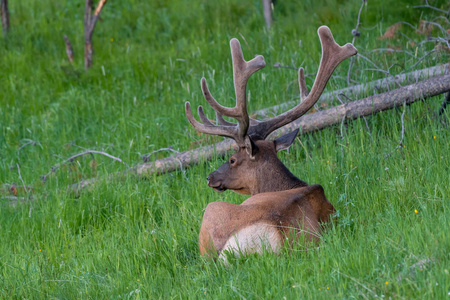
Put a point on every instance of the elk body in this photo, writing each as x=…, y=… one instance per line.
x=281, y=205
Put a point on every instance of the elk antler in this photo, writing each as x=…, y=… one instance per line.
x=242, y=70
x=332, y=56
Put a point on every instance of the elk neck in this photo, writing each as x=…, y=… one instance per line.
x=274, y=176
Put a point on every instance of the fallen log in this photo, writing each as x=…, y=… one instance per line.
x=307, y=123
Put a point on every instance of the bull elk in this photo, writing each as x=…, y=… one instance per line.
x=280, y=204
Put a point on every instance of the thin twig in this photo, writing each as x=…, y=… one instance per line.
x=146, y=157
x=367, y=59
x=343, y=117
x=278, y=65
x=25, y=187
x=342, y=125
x=438, y=26
x=400, y=143
x=392, y=50
x=70, y=159
x=407, y=37
x=365, y=120
x=13, y=200
x=425, y=55
x=355, y=33
x=69, y=49
x=409, y=24
x=21, y=179
x=356, y=281
x=28, y=142
x=386, y=73
x=427, y=5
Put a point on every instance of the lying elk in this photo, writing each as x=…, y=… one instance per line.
x=280, y=203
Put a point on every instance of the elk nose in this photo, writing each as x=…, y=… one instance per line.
x=207, y=178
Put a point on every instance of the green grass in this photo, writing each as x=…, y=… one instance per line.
x=138, y=238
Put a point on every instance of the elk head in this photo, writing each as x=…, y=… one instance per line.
x=255, y=168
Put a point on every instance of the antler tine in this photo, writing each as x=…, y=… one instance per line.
x=208, y=127
x=222, y=121
x=203, y=117
x=242, y=70
x=302, y=85
x=332, y=56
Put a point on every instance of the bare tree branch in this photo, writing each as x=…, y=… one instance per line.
x=21, y=179
x=427, y=5
x=400, y=143
x=89, y=25
x=146, y=157
x=4, y=11
x=69, y=49
x=70, y=159
x=355, y=33
x=392, y=50
x=267, y=7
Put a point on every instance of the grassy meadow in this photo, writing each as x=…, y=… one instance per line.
x=137, y=239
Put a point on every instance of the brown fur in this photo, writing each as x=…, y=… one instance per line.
x=298, y=210
x=279, y=199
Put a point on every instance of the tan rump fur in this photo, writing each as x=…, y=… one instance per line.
x=254, y=238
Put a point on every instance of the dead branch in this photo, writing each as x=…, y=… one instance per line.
x=13, y=189
x=28, y=142
x=307, y=123
x=392, y=50
x=365, y=120
x=69, y=49
x=21, y=179
x=343, y=119
x=400, y=143
x=13, y=200
x=355, y=34
x=70, y=159
x=89, y=25
x=427, y=5
x=146, y=157
x=267, y=7
x=278, y=65
x=26, y=190
x=4, y=11
x=425, y=55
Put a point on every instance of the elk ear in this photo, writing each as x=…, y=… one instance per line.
x=285, y=141
x=251, y=147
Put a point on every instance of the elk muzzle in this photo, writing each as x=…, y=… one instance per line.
x=217, y=179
